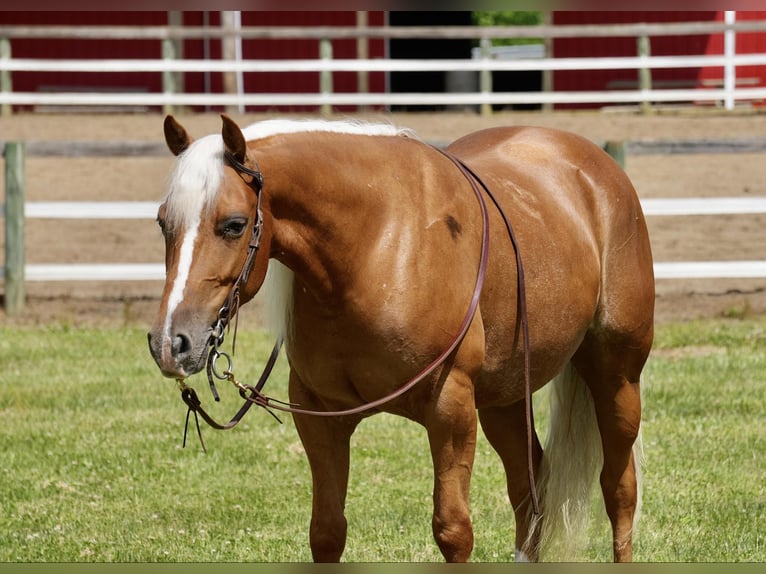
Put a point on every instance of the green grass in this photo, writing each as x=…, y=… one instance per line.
x=705, y=441
x=93, y=469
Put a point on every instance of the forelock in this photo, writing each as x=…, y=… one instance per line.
x=195, y=180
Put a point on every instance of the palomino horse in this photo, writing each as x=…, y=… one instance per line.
x=379, y=239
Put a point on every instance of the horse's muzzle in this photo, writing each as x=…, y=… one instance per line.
x=176, y=355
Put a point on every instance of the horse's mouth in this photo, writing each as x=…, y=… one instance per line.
x=178, y=363
x=192, y=367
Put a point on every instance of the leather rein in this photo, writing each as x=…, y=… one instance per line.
x=252, y=393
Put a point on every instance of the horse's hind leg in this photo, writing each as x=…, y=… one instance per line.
x=505, y=428
x=611, y=366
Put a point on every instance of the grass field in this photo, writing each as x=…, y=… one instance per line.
x=93, y=469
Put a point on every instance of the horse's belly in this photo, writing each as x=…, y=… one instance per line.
x=502, y=380
x=562, y=288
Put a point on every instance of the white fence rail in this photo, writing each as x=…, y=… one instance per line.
x=730, y=90
x=151, y=271
x=43, y=272
x=132, y=100
x=16, y=271
x=148, y=209
x=414, y=65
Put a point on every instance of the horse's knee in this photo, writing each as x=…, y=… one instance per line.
x=327, y=539
x=454, y=537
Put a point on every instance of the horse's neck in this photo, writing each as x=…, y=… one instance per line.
x=328, y=208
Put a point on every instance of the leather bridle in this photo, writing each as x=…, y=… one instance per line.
x=252, y=393
x=231, y=305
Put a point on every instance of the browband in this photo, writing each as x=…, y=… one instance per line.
x=242, y=168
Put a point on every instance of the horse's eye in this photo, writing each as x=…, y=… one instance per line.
x=161, y=223
x=233, y=228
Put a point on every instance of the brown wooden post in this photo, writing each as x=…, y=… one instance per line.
x=616, y=149
x=168, y=78
x=362, y=53
x=547, y=86
x=485, y=75
x=6, y=85
x=325, y=76
x=644, y=74
x=229, y=54
x=14, y=227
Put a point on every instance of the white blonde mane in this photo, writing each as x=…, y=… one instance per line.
x=269, y=128
x=197, y=176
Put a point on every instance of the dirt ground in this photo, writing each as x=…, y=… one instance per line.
x=143, y=178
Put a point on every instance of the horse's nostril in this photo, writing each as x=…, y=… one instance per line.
x=181, y=344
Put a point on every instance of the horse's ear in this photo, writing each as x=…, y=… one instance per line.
x=175, y=136
x=233, y=139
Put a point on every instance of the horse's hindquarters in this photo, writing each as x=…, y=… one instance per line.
x=589, y=287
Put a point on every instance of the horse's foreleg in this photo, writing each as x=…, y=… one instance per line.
x=451, y=426
x=506, y=430
x=327, y=444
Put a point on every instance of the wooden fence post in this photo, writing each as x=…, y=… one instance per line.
x=644, y=74
x=547, y=74
x=325, y=76
x=485, y=76
x=14, y=227
x=616, y=149
x=6, y=86
x=229, y=54
x=168, y=78
x=362, y=53
x=175, y=21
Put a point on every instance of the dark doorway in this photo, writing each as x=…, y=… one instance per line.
x=417, y=48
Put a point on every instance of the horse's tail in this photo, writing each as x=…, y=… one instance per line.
x=572, y=459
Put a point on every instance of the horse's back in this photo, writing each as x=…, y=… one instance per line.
x=556, y=180
x=582, y=237
x=534, y=156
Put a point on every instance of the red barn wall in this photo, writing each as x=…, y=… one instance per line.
x=305, y=82
x=290, y=49
x=680, y=78
x=198, y=82
x=85, y=49
x=752, y=43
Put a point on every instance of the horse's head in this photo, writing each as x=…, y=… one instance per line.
x=208, y=220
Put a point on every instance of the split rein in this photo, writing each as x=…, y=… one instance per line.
x=252, y=393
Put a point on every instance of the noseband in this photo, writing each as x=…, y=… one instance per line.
x=255, y=396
